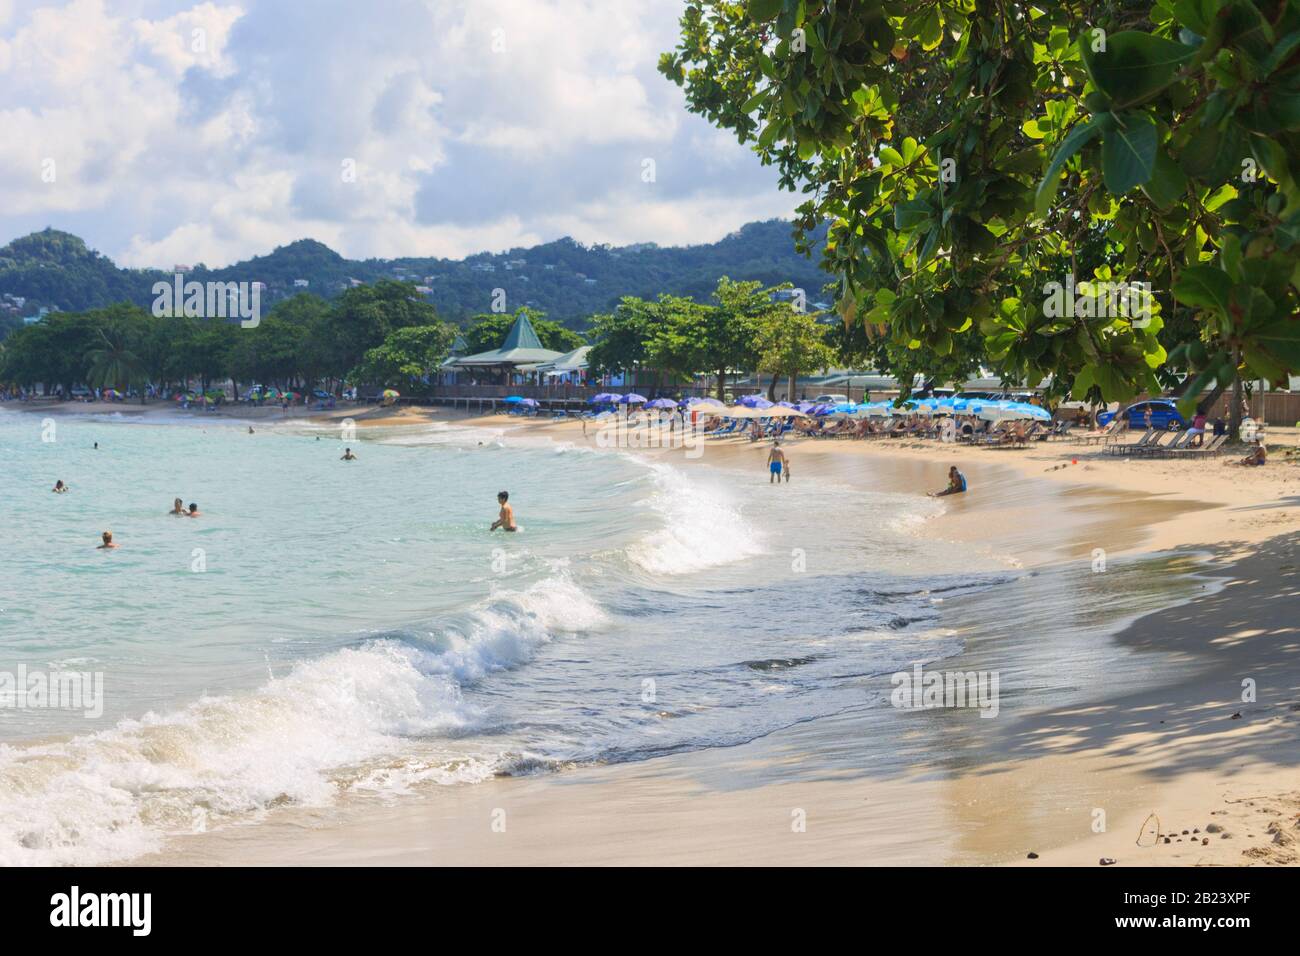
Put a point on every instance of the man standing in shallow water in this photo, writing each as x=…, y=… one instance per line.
x=776, y=463
x=507, y=519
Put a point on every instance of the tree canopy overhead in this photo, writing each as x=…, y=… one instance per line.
x=967, y=154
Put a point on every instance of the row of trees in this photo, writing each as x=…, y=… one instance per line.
x=382, y=334
x=965, y=154
x=387, y=336
x=744, y=326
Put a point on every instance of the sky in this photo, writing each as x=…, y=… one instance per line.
x=166, y=131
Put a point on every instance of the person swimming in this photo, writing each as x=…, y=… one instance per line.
x=506, y=521
x=956, y=484
x=108, y=541
x=347, y=455
x=178, y=507
x=194, y=510
x=59, y=487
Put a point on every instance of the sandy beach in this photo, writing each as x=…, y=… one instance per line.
x=1195, y=767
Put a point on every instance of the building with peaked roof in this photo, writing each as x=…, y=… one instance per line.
x=563, y=366
x=521, y=347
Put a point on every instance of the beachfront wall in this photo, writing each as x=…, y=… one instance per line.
x=1272, y=408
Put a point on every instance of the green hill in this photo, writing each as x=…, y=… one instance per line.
x=565, y=279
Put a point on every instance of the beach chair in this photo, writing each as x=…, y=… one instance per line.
x=1157, y=445
x=1156, y=450
x=1127, y=448
x=1109, y=435
x=1213, y=447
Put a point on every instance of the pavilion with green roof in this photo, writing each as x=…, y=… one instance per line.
x=521, y=347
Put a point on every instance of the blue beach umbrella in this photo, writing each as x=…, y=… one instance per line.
x=513, y=399
x=631, y=398
x=661, y=403
x=603, y=397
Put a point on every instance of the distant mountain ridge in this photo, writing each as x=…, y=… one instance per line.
x=566, y=279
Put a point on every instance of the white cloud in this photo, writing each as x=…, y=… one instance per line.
x=186, y=132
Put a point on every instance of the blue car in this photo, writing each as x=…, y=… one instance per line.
x=1164, y=415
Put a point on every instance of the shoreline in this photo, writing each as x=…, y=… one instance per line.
x=1174, y=750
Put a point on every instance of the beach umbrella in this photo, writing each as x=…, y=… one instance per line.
x=701, y=400
x=632, y=398
x=603, y=397
x=788, y=404
x=513, y=399
x=820, y=410
x=391, y=393
x=755, y=401
x=527, y=402
x=846, y=407
x=780, y=411
x=661, y=403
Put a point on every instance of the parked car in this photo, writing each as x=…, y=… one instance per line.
x=832, y=399
x=1164, y=415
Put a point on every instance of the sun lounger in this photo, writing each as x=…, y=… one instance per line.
x=1127, y=448
x=1213, y=447
x=1108, y=436
x=1157, y=445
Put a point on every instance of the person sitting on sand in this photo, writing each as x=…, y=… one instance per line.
x=108, y=541
x=506, y=521
x=776, y=461
x=1258, y=455
x=956, y=484
x=194, y=511
x=178, y=507
x=347, y=455
x=59, y=487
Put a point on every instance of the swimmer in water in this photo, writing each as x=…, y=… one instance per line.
x=250, y=429
x=108, y=542
x=194, y=510
x=178, y=507
x=59, y=487
x=347, y=455
x=506, y=521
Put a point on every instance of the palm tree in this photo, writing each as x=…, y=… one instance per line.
x=114, y=365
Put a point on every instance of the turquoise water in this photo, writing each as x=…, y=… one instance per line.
x=327, y=627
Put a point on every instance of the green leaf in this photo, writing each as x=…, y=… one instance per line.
x=1074, y=141
x=892, y=156
x=1134, y=65
x=760, y=11
x=910, y=213
x=1167, y=184
x=1128, y=155
x=1281, y=340
x=1230, y=257
x=1205, y=287
x=931, y=30
x=1196, y=14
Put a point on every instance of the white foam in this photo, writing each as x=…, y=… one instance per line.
x=114, y=795
x=702, y=527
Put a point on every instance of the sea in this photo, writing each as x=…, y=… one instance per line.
x=327, y=627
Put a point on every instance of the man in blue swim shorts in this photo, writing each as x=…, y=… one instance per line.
x=775, y=463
